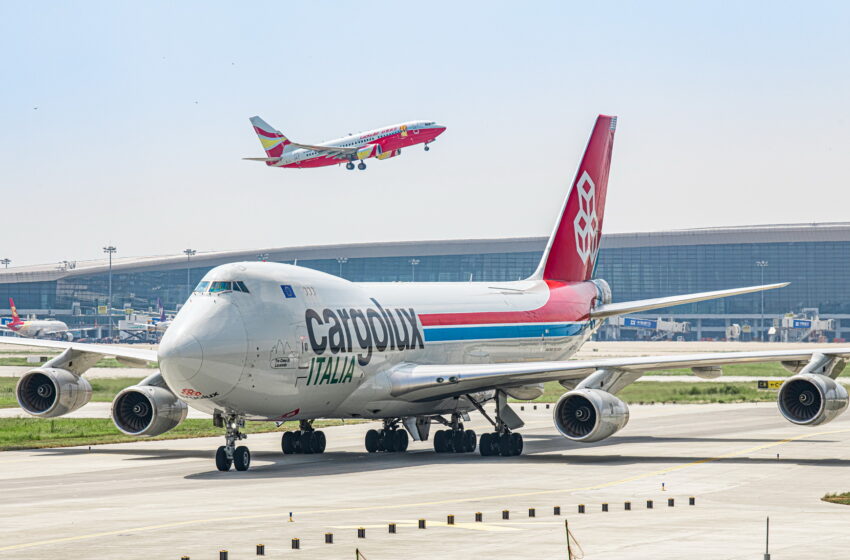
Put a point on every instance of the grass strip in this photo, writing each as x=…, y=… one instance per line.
x=38, y=433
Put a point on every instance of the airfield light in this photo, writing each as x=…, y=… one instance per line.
x=413, y=263
x=762, y=265
x=189, y=254
x=110, y=250
x=341, y=261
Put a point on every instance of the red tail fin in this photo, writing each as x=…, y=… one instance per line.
x=16, y=320
x=571, y=252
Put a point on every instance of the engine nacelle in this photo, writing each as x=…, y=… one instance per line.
x=526, y=392
x=589, y=415
x=811, y=399
x=147, y=410
x=50, y=392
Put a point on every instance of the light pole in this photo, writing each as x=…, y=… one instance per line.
x=110, y=250
x=189, y=254
x=6, y=262
x=762, y=265
x=413, y=263
x=341, y=261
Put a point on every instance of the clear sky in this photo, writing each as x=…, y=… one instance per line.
x=125, y=123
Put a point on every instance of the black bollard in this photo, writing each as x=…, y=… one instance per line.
x=296, y=544
x=556, y=510
x=450, y=520
x=392, y=528
x=692, y=501
x=670, y=502
x=361, y=533
x=329, y=538
x=581, y=508
x=261, y=550
x=421, y=523
x=222, y=555
x=532, y=512
x=479, y=516
x=604, y=507
x=649, y=504
x=506, y=514
x=627, y=506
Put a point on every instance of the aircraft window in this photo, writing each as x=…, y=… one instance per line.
x=202, y=287
x=216, y=287
x=242, y=286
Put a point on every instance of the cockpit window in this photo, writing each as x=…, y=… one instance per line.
x=202, y=287
x=242, y=286
x=216, y=287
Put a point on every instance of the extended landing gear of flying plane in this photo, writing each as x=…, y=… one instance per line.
x=349, y=165
x=304, y=440
x=455, y=439
x=229, y=454
x=361, y=166
x=390, y=439
x=426, y=147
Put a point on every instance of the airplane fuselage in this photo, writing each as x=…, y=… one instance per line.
x=381, y=143
x=305, y=344
x=40, y=328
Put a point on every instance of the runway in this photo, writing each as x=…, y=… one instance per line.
x=165, y=499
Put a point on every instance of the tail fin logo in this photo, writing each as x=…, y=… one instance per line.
x=586, y=224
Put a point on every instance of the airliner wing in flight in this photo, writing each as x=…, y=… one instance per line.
x=427, y=382
x=331, y=151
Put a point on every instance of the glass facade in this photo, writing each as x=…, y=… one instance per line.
x=818, y=272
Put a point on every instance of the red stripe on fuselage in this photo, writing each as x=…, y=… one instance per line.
x=568, y=301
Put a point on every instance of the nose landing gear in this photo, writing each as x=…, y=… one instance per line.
x=228, y=454
x=426, y=146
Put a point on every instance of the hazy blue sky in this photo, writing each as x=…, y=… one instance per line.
x=730, y=113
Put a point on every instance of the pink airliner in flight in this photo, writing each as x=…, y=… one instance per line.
x=381, y=143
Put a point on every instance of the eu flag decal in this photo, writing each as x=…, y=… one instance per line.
x=288, y=291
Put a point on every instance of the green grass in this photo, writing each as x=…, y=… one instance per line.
x=37, y=433
x=649, y=392
x=842, y=498
x=745, y=370
x=103, y=390
x=103, y=363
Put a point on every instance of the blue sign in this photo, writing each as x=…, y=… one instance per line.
x=5, y=320
x=640, y=323
x=802, y=324
x=288, y=291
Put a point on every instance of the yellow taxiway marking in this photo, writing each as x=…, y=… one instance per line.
x=201, y=521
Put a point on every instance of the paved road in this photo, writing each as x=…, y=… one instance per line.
x=164, y=499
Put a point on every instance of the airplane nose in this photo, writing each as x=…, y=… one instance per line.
x=182, y=354
x=204, y=350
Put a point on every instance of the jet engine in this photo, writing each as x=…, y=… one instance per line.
x=589, y=415
x=50, y=392
x=147, y=410
x=811, y=399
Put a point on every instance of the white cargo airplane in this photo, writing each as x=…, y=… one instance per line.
x=274, y=342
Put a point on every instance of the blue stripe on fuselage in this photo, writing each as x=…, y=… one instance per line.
x=490, y=332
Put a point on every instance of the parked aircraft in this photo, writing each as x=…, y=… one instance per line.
x=40, y=328
x=275, y=342
x=381, y=143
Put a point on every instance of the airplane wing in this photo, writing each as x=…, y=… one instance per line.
x=611, y=309
x=137, y=354
x=330, y=150
x=262, y=158
x=414, y=382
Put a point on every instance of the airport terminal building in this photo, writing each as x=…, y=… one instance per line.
x=815, y=258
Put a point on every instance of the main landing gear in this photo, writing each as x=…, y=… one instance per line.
x=350, y=166
x=361, y=166
x=391, y=438
x=455, y=439
x=426, y=146
x=304, y=440
x=228, y=454
x=502, y=441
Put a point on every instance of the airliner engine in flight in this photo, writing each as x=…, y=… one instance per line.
x=381, y=143
x=274, y=342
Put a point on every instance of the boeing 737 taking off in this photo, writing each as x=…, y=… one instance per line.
x=276, y=342
x=381, y=143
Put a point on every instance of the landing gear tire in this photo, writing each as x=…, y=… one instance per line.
x=319, y=442
x=469, y=440
x=349, y=166
x=401, y=441
x=313, y=441
x=440, y=441
x=458, y=441
x=222, y=461
x=361, y=166
x=287, y=443
x=307, y=442
x=426, y=147
x=242, y=458
x=516, y=444
x=373, y=440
